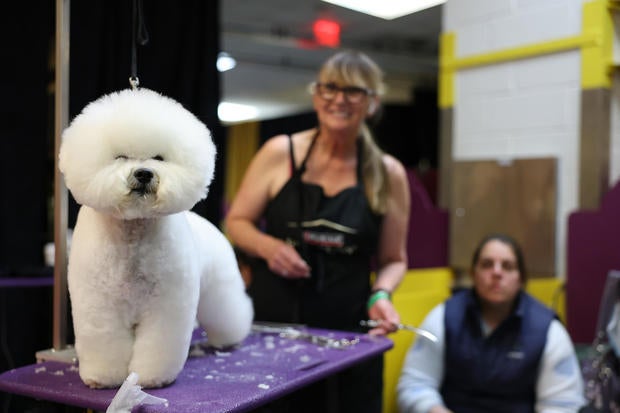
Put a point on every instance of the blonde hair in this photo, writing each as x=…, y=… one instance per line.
x=357, y=69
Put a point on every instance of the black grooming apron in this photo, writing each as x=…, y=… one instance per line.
x=337, y=235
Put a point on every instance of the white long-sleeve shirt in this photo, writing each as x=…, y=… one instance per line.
x=559, y=387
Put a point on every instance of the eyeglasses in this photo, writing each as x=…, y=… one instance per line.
x=328, y=91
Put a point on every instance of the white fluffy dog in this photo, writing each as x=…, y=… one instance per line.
x=142, y=267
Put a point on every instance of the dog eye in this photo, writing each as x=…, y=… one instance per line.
x=122, y=157
x=158, y=158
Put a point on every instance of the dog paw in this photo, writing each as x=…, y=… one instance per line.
x=154, y=383
x=94, y=384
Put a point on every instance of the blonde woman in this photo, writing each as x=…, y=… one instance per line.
x=331, y=200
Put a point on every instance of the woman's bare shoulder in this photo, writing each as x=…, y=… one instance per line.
x=398, y=181
x=393, y=166
x=276, y=144
x=300, y=141
x=277, y=148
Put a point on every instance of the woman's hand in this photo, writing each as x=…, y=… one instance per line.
x=384, y=310
x=439, y=409
x=284, y=260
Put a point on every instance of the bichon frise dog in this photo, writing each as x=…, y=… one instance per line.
x=142, y=267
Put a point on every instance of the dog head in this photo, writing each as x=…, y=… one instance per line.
x=137, y=154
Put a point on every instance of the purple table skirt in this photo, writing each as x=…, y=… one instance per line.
x=263, y=368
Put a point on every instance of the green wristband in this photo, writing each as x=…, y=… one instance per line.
x=378, y=295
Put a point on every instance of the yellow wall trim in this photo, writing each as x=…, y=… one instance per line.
x=242, y=143
x=522, y=52
x=595, y=43
x=596, y=62
x=447, y=46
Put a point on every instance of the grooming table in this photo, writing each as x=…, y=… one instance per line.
x=263, y=368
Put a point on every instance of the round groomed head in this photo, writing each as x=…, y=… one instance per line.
x=137, y=154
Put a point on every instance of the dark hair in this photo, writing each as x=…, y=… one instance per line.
x=505, y=239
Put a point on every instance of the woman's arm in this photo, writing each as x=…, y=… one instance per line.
x=560, y=384
x=392, y=250
x=423, y=369
x=268, y=171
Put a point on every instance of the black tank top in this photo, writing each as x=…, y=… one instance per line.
x=337, y=235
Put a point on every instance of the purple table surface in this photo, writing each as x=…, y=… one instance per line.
x=263, y=368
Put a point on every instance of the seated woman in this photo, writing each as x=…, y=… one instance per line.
x=498, y=349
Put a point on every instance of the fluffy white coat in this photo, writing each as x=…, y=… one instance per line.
x=142, y=267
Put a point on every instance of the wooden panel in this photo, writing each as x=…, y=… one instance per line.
x=517, y=198
x=594, y=147
x=445, y=157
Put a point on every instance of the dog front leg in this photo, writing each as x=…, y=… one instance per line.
x=103, y=356
x=161, y=348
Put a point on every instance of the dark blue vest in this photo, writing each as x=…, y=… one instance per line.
x=497, y=373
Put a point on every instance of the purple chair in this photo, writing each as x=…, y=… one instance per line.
x=427, y=239
x=593, y=251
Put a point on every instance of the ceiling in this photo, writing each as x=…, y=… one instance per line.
x=277, y=57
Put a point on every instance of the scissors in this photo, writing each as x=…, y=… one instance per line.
x=419, y=331
x=296, y=331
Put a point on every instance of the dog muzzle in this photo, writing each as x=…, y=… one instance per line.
x=143, y=181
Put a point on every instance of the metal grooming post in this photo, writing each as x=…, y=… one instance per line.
x=61, y=109
x=60, y=351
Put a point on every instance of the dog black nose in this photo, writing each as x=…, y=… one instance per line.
x=143, y=175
